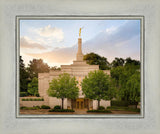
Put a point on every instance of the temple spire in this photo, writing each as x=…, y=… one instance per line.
x=79, y=53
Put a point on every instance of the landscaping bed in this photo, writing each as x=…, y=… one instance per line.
x=61, y=110
x=99, y=111
x=35, y=107
x=117, y=108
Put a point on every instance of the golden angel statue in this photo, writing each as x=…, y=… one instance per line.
x=80, y=31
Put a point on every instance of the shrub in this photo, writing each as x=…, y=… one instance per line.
x=119, y=103
x=37, y=94
x=37, y=107
x=100, y=111
x=61, y=110
x=31, y=99
x=101, y=108
x=45, y=107
x=30, y=108
x=57, y=107
x=23, y=94
x=23, y=107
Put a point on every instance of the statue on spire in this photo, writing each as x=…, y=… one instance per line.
x=80, y=31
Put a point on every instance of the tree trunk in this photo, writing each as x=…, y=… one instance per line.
x=62, y=102
x=98, y=103
x=72, y=103
x=88, y=103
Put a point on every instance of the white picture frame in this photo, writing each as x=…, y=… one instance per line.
x=148, y=123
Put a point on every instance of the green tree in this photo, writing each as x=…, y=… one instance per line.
x=33, y=87
x=95, y=59
x=129, y=61
x=63, y=87
x=37, y=66
x=131, y=90
x=121, y=75
x=96, y=85
x=117, y=62
x=24, y=76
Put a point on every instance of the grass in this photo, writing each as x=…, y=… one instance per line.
x=116, y=108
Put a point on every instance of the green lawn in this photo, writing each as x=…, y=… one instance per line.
x=116, y=108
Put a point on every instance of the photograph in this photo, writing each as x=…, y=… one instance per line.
x=80, y=66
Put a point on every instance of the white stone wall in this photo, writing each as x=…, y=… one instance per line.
x=32, y=103
x=104, y=103
x=53, y=101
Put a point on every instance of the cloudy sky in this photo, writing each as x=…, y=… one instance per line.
x=55, y=41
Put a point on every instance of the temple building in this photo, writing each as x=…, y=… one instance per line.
x=79, y=69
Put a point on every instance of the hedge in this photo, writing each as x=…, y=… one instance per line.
x=30, y=108
x=45, y=107
x=33, y=99
x=119, y=103
x=61, y=110
x=23, y=94
x=57, y=107
x=101, y=108
x=99, y=111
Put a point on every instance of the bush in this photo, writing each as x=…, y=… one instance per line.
x=37, y=95
x=23, y=94
x=32, y=99
x=119, y=103
x=100, y=111
x=61, y=110
x=57, y=107
x=30, y=108
x=45, y=107
x=23, y=107
x=101, y=108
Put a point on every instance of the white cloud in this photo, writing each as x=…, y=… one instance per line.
x=122, y=42
x=51, y=32
x=26, y=42
x=111, y=30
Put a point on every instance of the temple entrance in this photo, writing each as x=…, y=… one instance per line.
x=82, y=103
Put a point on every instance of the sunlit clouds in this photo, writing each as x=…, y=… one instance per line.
x=56, y=42
x=52, y=33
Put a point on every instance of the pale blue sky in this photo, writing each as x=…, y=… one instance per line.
x=53, y=39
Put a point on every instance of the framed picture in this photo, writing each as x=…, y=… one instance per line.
x=112, y=44
x=61, y=36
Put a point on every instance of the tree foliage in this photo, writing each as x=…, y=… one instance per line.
x=133, y=84
x=117, y=62
x=129, y=61
x=55, y=68
x=37, y=66
x=127, y=79
x=33, y=87
x=63, y=87
x=24, y=76
x=96, y=86
x=95, y=59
